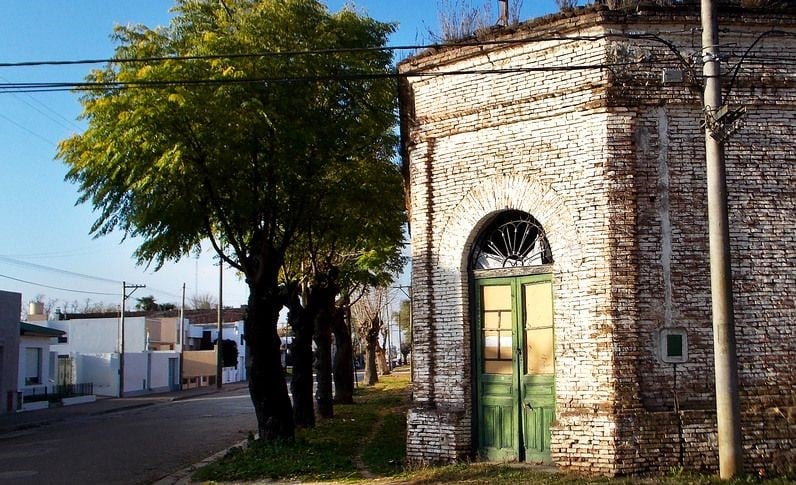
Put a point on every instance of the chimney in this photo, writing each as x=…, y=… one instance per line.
x=504, y=13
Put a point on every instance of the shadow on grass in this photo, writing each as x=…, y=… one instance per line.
x=327, y=451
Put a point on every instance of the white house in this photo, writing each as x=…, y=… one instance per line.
x=94, y=348
x=37, y=364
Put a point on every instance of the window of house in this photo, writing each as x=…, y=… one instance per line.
x=32, y=366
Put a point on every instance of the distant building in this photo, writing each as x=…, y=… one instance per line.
x=10, y=308
x=561, y=292
x=27, y=366
x=93, y=349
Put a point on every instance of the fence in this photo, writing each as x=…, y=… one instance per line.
x=56, y=393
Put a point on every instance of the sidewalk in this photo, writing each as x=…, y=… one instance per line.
x=17, y=422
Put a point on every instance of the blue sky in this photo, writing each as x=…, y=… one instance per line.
x=45, y=237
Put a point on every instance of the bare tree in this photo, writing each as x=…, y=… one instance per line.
x=202, y=301
x=567, y=4
x=459, y=19
x=366, y=316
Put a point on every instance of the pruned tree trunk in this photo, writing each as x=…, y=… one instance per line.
x=372, y=342
x=301, y=321
x=323, y=345
x=267, y=386
x=381, y=360
x=343, y=357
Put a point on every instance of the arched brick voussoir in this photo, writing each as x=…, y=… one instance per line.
x=504, y=192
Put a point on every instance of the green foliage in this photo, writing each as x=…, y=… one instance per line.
x=246, y=150
x=148, y=304
x=403, y=318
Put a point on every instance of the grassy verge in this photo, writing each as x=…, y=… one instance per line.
x=501, y=474
x=374, y=430
x=327, y=452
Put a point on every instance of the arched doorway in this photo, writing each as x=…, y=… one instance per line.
x=511, y=267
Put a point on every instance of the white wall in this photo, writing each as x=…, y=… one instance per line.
x=159, y=370
x=135, y=373
x=101, y=369
x=100, y=335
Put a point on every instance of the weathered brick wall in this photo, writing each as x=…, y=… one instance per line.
x=611, y=163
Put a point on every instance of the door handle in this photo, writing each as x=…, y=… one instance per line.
x=528, y=405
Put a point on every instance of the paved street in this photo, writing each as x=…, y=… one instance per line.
x=125, y=441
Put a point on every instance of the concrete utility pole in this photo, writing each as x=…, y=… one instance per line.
x=181, y=334
x=727, y=404
x=125, y=296
x=219, y=356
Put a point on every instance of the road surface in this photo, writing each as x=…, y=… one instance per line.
x=132, y=446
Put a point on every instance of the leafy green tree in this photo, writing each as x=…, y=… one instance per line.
x=403, y=318
x=146, y=303
x=192, y=137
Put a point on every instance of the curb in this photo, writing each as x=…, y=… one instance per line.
x=121, y=408
x=183, y=477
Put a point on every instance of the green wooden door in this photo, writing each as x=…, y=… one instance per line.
x=537, y=381
x=515, y=382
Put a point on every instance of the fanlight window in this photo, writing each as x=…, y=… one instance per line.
x=513, y=239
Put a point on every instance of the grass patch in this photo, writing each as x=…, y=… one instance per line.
x=483, y=473
x=385, y=455
x=329, y=451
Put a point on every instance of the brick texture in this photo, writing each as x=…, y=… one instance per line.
x=611, y=162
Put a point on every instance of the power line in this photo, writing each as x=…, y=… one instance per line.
x=46, y=111
x=548, y=37
x=344, y=50
x=56, y=287
x=57, y=270
x=24, y=128
x=362, y=76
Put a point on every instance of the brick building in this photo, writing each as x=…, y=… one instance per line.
x=556, y=183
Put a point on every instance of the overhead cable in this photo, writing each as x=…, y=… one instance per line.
x=56, y=287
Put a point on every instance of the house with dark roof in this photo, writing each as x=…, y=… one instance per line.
x=38, y=366
x=27, y=366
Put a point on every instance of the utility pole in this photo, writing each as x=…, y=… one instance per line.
x=726, y=366
x=181, y=333
x=219, y=356
x=125, y=296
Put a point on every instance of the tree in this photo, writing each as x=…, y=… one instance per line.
x=147, y=304
x=227, y=133
x=366, y=314
x=404, y=320
x=203, y=301
x=351, y=243
x=229, y=352
x=459, y=19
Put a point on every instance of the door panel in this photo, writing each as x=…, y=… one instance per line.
x=538, y=380
x=515, y=368
x=498, y=427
